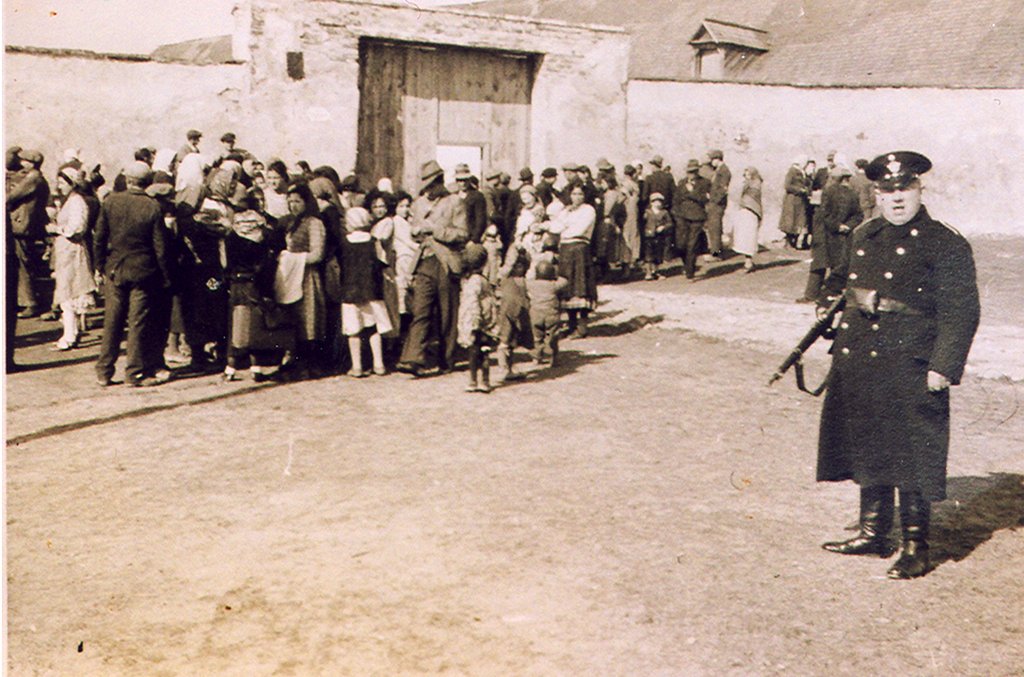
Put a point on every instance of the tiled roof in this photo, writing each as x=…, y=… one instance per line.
x=942, y=43
x=199, y=52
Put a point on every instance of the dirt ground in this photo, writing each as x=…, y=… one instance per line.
x=646, y=508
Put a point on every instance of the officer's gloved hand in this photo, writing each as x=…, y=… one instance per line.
x=937, y=382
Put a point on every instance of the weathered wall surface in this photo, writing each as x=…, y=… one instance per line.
x=579, y=94
x=974, y=137
x=109, y=108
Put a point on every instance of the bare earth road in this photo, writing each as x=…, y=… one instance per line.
x=647, y=508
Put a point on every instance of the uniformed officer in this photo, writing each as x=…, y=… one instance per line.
x=910, y=317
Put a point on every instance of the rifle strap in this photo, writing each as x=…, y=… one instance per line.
x=798, y=370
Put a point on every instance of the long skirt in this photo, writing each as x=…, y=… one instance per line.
x=74, y=280
x=575, y=265
x=745, y=225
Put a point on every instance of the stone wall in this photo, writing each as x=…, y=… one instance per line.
x=579, y=95
x=974, y=137
x=109, y=107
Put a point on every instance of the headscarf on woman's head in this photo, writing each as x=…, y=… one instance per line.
x=754, y=176
x=75, y=176
x=163, y=159
x=190, y=172
x=222, y=183
x=324, y=189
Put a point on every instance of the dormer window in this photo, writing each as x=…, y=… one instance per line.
x=723, y=48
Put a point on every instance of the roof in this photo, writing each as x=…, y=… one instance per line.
x=923, y=43
x=198, y=52
x=713, y=32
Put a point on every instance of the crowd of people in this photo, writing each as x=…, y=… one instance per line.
x=219, y=262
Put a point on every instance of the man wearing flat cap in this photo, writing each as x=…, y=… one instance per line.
x=130, y=252
x=438, y=223
x=546, y=188
x=910, y=316
x=192, y=138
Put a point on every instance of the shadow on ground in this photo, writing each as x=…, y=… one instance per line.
x=569, y=362
x=976, y=508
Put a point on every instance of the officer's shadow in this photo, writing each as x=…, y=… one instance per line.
x=975, y=508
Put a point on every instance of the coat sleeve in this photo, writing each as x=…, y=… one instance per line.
x=957, y=308
x=99, y=244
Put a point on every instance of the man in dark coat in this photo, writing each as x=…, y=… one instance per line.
x=546, y=188
x=515, y=201
x=474, y=201
x=911, y=313
x=691, y=196
x=28, y=194
x=130, y=250
x=658, y=181
x=717, y=201
x=840, y=213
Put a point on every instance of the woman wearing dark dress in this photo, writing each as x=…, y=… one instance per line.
x=258, y=335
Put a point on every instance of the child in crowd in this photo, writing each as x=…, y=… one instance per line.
x=362, y=292
x=657, y=227
x=477, y=307
x=492, y=245
x=546, y=292
x=513, y=313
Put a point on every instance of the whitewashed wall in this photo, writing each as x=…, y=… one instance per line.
x=974, y=137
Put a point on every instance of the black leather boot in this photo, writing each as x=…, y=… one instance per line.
x=915, y=517
x=876, y=508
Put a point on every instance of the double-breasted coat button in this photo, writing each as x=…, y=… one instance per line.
x=874, y=353
x=900, y=251
x=874, y=327
x=887, y=275
x=844, y=325
x=853, y=276
x=913, y=232
x=860, y=252
x=846, y=351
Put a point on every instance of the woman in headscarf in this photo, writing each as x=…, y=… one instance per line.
x=305, y=239
x=188, y=185
x=326, y=193
x=797, y=186
x=75, y=285
x=575, y=227
x=204, y=289
x=747, y=221
x=258, y=335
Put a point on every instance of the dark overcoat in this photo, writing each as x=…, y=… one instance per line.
x=880, y=425
x=793, y=219
x=840, y=206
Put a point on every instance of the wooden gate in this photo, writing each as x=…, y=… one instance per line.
x=413, y=98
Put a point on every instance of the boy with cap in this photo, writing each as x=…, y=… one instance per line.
x=192, y=138
x=911, y=313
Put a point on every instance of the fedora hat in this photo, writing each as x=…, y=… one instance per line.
x=428, y=172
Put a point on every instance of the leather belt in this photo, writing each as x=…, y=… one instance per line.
x=869, y=302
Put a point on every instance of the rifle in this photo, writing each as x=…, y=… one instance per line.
x=822, y=327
